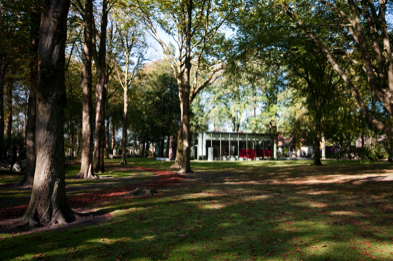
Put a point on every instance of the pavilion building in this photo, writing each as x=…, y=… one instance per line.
x=233, y=146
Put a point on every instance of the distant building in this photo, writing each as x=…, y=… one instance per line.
x=234, y=146
x=306, y=148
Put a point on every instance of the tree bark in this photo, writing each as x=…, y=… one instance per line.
x=77, y=142
x=31, y=107
x=167, y=147
x=317, y=153
x=124, y=138
x=113, y=135
x=87, y=107
x=8, y=128
x=186, y=167
x=143, y=147
x=102, y=147
x=179, y=149
x=107, y=143
x=100, y=89
x=161, y=152
x=71, y=145
x=3, y=68
x=48, y=200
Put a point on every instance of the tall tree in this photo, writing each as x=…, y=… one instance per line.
x=100, y=61
x=195, y=27
x=132, y=50
x=8, y=126
x=365, y=44
x=31, y=111
x=48, y=202
x=86, y=171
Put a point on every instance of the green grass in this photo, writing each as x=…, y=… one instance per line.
x=278, y=210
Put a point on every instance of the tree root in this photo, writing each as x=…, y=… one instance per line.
x=175, y=165
x=58, y=216
x=181, y=171
x=88, y=174
x=144, y=191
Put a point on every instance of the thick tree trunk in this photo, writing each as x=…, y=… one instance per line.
x=124, y=138
x=317, y=153
x=86, y=171
x=48, y=202
x=8, y=128
x=31, y=106
x=3, y=68
x=179, y=149
x=100, y=89
x=186, y=167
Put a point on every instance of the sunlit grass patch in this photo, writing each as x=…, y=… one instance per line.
x=234, y=211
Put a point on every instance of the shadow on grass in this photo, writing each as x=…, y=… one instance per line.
x=260, y=212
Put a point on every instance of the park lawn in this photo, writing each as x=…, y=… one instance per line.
x=279, y=210
x=110, y=178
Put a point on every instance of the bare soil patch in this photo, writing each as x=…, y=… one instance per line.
x=10, y=217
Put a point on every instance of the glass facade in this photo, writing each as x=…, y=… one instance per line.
x=235, y=146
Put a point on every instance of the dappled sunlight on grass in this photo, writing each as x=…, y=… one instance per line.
x=212, y=206
x=345, y=213
x=235, y=211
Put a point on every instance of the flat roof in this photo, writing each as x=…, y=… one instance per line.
x=259, y=133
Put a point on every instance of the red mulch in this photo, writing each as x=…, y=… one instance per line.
x=162, y=179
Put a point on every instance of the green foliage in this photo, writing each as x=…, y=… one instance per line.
x=155, y=110
x=375, y=152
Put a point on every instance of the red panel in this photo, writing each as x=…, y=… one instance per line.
x=243, y=153
x=251, y=153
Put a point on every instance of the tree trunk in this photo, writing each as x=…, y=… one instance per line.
x=143, y=147
x=179, y=149
x=186, y=167
x=48, y=202
x=162, y=146
x=100, y=89
x=124, y=138
x=167, y=147
x=8, y=128
x=107, y=143
x=71, y=145
x=77, y=142
x=30, y=141
x=113, y=135
x=31, y=106
x=317, y=153
x=102, y=147
x=87, y=107
x=3, y=68
x=390, y=149
x=147, y=147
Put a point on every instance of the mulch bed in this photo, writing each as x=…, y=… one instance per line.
x=162, y=179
